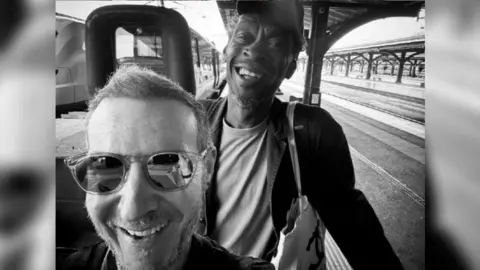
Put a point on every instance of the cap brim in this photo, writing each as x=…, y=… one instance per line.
x=249, y=6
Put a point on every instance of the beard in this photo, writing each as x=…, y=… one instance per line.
x=145, y=258
x=178, y=256
x=249, y=103
x=249, y=99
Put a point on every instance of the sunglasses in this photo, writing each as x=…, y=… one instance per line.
x=106, y=173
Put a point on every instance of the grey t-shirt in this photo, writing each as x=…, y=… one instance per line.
x=244, y=224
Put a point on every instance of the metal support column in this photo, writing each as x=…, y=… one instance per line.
x=369, y=67
x=197, y=51
x=400, y=67
x=362, y=64
x=332, y=67
x=316, y=51
x=414, y=74
x=347, y=70
x=214, y=64
x=218, y=67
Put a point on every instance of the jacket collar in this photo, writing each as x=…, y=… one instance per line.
x=278, y=119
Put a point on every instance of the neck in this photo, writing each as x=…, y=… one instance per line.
x=181, y=261
x=238, y=117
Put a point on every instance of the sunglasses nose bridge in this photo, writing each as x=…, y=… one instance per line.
x=137, y=171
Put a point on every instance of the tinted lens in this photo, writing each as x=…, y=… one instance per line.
x=99, y=174
x=172, y=170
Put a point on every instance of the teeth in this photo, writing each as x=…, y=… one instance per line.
x=244, y=71
x=146, y=233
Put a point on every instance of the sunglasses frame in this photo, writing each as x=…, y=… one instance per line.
x=127, y=160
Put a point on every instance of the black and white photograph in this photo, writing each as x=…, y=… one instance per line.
x=239, y=134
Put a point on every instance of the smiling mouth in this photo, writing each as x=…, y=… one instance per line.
x=248, y=74
x=147, y=234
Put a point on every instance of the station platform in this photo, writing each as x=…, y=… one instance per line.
x=406, y=80
x=388, y=87
x=296, y=90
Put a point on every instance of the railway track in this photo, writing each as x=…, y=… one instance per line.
x=376, y=108
x=391, y=95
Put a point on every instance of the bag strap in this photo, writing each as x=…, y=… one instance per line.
x=292, y=146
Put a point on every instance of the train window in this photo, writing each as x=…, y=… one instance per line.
x=123, y=43
x=138, y=42
x=139, y=45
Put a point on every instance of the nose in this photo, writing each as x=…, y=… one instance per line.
x=256, y=52
x=138, y=198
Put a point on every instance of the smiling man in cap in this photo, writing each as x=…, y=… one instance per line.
x=253, y=183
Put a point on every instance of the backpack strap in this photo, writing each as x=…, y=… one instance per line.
x=292, y=146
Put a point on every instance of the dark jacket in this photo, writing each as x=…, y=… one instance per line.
x=328, y=180
x=204, y=254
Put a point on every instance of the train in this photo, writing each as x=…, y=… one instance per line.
x=70, y=60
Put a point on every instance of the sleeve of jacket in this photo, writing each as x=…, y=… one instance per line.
x=345, y=211
x=90, y=258
x=250, y=263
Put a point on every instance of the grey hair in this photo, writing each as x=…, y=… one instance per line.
x=136, y=82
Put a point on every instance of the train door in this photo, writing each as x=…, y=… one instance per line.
x=155, y=37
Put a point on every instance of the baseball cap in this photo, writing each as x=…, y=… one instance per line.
x=289, y=13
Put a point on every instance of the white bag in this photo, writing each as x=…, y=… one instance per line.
x=302, y=248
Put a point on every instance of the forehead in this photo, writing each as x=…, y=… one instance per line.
x=137, y=126
x=266, y=22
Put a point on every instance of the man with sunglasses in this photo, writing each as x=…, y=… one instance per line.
x=148, y=162
x=253, y=185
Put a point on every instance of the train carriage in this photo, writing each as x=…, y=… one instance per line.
x=71, y=90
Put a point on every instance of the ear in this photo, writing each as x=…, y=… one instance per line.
x=224, y=51
x=291, y=68
x=210, y=160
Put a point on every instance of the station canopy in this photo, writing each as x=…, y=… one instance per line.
x=343, y=15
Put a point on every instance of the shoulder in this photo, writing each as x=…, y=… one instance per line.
x=320, y=126
x=90, y=257
x=206, y=103
x=317, y=117
x=220, y=258
x=211, y=104
x=250, y=263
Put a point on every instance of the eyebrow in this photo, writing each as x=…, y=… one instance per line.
x=274, y=33
x=248, y=17
x=277, y=33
